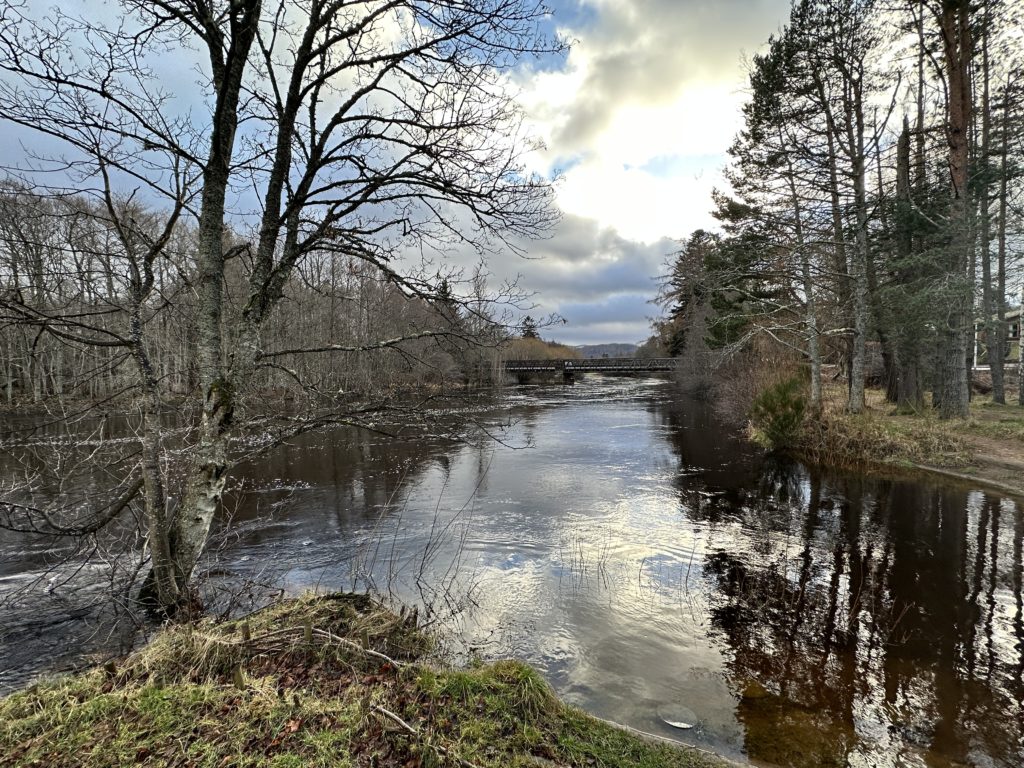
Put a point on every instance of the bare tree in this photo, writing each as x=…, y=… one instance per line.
x=364, y=128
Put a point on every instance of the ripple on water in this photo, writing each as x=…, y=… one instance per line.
x=650, y=564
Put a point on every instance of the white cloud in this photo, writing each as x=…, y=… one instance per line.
x=639, y=204
x=638, y=121
x=647, y=80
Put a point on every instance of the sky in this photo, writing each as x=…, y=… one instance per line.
x=636, y=121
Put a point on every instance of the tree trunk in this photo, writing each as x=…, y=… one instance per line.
x=855, y=138
x=838, y=233
x=909, y=390
x=1000, y=341
x=990, y=333
x=956, y=37
x=810, y=312
x=162, y=586
x=207, y=474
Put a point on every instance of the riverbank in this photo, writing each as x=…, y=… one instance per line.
x=334, y=680
x=986, y=449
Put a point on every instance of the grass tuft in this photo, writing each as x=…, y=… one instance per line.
x=336, y=680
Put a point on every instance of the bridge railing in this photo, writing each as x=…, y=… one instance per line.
x=593, y=364
x=534, y=365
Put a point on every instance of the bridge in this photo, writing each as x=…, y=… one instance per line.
x=568, y=368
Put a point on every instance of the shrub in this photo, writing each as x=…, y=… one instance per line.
x=740, y=376
x=777, y=413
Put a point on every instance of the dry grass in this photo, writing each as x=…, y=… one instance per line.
x=337, y=680
x=867, y=439
x=881, y=437
x=346, y=630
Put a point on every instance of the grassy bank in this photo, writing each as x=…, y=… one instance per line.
x=987, y=448
x=336, y=680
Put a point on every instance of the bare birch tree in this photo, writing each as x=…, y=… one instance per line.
x=363, y=128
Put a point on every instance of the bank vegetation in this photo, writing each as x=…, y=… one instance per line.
x=336, y=680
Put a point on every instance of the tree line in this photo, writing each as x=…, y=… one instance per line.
x=70, y=299
x=874, y=206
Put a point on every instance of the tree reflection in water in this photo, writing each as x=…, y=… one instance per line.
x=640, y=556
x=866, y=618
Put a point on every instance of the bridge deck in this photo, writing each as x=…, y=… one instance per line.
x=596, y=364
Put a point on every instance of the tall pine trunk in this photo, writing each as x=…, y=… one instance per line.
x=810, y=307
x=958, y=325
x=993, y=296
x=909, y=385
x=859, y=262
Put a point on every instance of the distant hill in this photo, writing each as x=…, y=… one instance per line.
x=607, y=350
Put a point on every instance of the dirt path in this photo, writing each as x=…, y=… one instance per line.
x=987, y=449
x=994, y=461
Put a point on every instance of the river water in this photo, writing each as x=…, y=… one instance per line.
x=656, y=568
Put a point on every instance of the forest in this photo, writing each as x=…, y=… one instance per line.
x=871, y=231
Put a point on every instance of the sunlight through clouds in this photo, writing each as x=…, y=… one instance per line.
x=636, y=124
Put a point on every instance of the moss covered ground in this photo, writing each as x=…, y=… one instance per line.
x=335, y=680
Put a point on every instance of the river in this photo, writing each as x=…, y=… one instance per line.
x=656, y=568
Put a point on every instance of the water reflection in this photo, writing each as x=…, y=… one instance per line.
x=868, y=621
x=649, y=562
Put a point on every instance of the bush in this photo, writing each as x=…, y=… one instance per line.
x=740, y=376
x=777, y=413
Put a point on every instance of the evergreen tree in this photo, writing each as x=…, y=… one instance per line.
x=528, y=329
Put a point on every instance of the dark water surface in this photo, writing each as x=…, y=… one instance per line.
x=654, y=567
